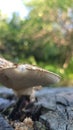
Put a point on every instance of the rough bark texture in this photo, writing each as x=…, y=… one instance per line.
x=4, y=124
x=57, y=108
x=56, y=111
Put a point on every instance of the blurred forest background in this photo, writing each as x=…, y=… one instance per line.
x=43, y=38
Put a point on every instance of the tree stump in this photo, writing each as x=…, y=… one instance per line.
x=52, y=110
x=57, y=108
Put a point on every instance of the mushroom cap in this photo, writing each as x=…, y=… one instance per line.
x=5, y=64
x=24, y=76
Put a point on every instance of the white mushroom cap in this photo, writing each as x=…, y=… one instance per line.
x=21, y=77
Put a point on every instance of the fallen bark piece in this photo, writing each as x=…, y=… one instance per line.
x=27, y=124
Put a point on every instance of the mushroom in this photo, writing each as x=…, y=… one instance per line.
x=23, y=76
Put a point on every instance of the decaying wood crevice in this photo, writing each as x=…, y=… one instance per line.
x=52, y=109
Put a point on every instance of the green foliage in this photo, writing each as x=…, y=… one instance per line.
x=44, y=38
